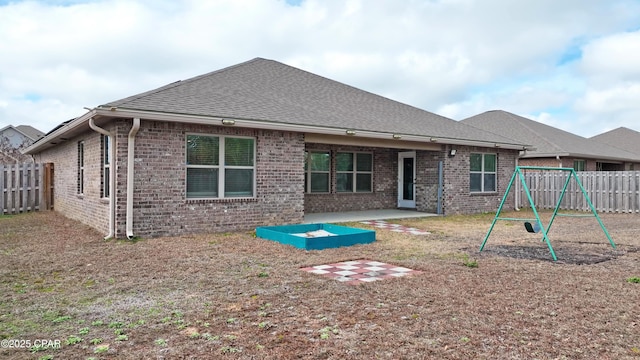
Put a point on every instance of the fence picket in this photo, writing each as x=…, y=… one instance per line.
x=22, y=187
x=609, y=191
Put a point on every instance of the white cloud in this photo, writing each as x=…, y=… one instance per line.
x=453, y=57
x=610, y=99
x=613, y=59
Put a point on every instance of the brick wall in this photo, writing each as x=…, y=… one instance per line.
x=427, y=180
x=385, y=183
x=161, y=207
x=88, y=207
x=160, y=204
x=457, y=197
x=546, y=162
x=567, y=162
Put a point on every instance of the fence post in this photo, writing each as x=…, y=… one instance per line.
x=47, y=186
x=2, y=189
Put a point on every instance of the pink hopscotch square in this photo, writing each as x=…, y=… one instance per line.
x=360, y=271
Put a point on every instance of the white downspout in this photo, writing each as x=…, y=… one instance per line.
x=112, y=177
x=130, y=179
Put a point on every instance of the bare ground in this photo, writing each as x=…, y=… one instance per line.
x=239, y=297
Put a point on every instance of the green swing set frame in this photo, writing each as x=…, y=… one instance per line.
x=545, y=230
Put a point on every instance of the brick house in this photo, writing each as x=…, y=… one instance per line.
x=263, y=143
x=622, y=138
x=553, y=147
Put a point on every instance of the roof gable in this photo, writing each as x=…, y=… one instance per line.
x=547, y=140
x=621, y=138
x=26, y=130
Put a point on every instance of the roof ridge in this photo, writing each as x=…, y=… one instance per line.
x=355, y=88
x=526, y=124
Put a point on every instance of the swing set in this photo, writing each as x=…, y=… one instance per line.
x=536, y=225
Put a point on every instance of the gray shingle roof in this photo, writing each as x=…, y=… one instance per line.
x=267, y=90
x=547, y=140
x=621, y=138
x=30, y=131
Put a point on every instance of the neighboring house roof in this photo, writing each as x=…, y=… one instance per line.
x=15, y=138
x=270, y=93
x=547, y=141
x=621, y=138
x=30, y=131
x=26, y=130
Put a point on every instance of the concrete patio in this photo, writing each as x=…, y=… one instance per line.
x=385, y=214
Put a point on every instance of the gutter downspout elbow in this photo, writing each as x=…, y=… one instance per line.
x=112, y=179
x=130, y=178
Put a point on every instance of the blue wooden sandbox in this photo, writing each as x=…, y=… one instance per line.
x=339, y=235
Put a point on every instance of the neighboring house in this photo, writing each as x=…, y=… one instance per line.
x=553, y=147
x=14, y=139
x=621, y=138
x=263, y=143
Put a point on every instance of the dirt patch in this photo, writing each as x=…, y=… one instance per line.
x=236, y=296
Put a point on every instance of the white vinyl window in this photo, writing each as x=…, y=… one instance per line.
x=317, y=170
x=106, y=165
x=483, y=172
x=354, y=172
x=80, y=173
x=220, y=166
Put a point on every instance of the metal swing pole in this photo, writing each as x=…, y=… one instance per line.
x=545, y=237
x=495, y=218
x=593, y=209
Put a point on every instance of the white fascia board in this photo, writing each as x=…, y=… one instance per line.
x=115, y=112
x=75, y=123
x=268, y=125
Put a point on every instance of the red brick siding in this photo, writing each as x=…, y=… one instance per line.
x=457, y=197
x=87, y=208
x=160, y=204
x=384, y=186
x=161, y=207
x=385, y=183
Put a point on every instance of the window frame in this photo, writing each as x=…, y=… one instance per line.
x=580, y=161
x=105, y=160
x=354, y=172
x=80, y=170
x=483, y=172
x=222, y=167
x=308, y=171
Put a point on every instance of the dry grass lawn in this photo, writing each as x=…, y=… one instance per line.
x=239, y=297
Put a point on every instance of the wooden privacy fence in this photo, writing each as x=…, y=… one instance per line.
x=25, y=187
x=609, y=191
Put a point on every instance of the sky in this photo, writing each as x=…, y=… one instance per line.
x=571, y=64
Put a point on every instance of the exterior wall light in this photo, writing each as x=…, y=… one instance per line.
x=397, y=136
x=350, y=132
x=452, y=153
x=228, y=122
